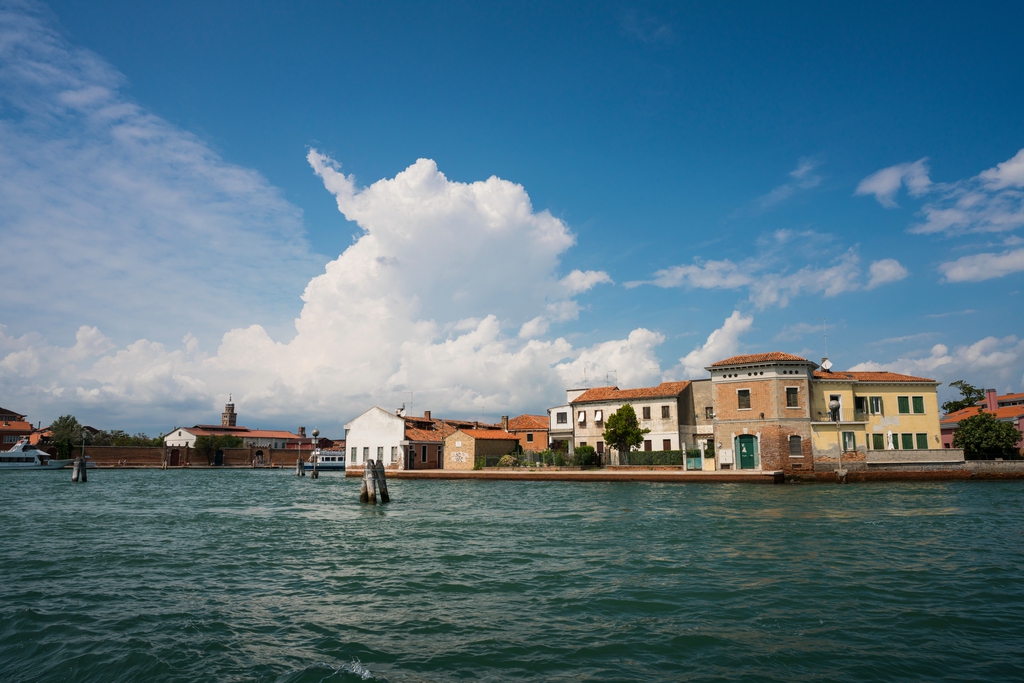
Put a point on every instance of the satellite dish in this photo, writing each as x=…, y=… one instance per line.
x=826, y=365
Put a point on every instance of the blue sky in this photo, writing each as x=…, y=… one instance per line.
x=722, y=177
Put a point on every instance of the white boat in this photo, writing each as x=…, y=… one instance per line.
x=326, y=461
x=25, y=456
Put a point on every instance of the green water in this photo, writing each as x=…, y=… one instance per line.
x=264, y=576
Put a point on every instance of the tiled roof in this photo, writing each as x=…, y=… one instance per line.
x=871, y=377
x=495, y=434
x=16, y=427
x=1004, y=413
x=432, y=435
x=663, y=390
x=4, y=411
x=522, y=422
x=759, y=358
x=1010, y=397
x=241, y=432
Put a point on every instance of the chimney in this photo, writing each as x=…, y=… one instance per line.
x=302, y=432
x=426, y=414
x=504, y=422
x=991, y=403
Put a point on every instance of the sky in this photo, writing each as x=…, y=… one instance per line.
x=470, y=207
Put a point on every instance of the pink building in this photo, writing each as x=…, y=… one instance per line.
x=1007, y=408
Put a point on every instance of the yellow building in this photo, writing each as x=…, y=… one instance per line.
x=877, y=411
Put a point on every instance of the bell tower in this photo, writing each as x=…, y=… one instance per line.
x=228, y=418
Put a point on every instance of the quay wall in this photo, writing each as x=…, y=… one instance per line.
x=155, y=456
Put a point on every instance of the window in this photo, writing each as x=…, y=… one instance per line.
x=600, y=446
x=792, y=397
x=875, y=402
x=878, y=442
x=423, y=454
x=529, y=437
x=922, y=441
x=10, y=438
x=380, y=453
x=598, y=416
x=907, y=442
x=666, y=444
x=666, y=413
x=860, y=404
x=366, y=453
x=583, y=417
x=903, y=404
x=647, y=445
x=583, y=443
x=561, y=418
x=796, y=446
x=744, y=399
x=918, y=405
x=835, y=415
x=394, y=454
x=849, y=441
x=353, y=456
x=709, y=413
x=647, y=412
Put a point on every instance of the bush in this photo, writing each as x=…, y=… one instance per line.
x=559, y=459
x=508, y=461
x=584, y=456
x=657, y=457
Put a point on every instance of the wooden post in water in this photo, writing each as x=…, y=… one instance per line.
x=382, y=483
x=368, y=491
x=82, y=476
x=75, y=470
x=300, y=470
x=364, y=496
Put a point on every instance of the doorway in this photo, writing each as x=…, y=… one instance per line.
x=746, y=450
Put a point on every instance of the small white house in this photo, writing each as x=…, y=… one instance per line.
x=375, y=435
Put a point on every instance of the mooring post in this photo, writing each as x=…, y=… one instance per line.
x=369, y=483
x=82, y=469
x=300, y=470
x=378, y=470
x=364, y=495
x=74, y=470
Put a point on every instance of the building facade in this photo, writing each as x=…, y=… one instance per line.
x=13, y=428
x=1006, y=408
x=463, y=448
x=531, y=430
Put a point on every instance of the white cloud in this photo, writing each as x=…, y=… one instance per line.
x=886, y=183
x=1009, y=173
x=776, y=289
x=990, y=361
x=804, y=178
x=579, y=281
x=112, y=208
x=886, y=271
x=421, y=302
x=978, y=267
x=722, y=343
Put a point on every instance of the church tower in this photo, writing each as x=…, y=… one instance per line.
x=228, y=418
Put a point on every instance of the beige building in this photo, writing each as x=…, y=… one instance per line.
x=463, y=448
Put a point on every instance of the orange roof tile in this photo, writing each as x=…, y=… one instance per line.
x=1004, y=413
x=871, y=377
x=17, y=426
x=495, y=434
x=663, y=390
x=435, y=435
x=522, y=422
x=760, y=358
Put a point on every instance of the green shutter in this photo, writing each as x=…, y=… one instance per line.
x=907, y=442
x=922, y=442
x=919, y=405
x=878, y=442
x=904, y=404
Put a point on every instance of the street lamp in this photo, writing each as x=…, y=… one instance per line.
x=833, y=405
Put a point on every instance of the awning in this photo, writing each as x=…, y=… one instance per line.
x=583, y=417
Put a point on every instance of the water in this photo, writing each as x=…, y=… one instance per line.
x=262, y=576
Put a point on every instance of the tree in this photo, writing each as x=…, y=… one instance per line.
x=983, y=437
x=622, y=430
x=65, y=432
x=207, y=446
x=971, y=394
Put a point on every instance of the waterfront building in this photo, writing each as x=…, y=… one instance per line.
x=666, y=410
x=185, y=437
x=13, y=428
x=531, y=430
x=1006, y=408
x=464, y=447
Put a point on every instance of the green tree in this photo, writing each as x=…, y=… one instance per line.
x=65, y=432
x=207, y=446
x=983, y=437
x=622, y=430
x=971, y=396
x=585, y=457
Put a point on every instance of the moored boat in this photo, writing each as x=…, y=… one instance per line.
x=326, y=461
x=25, y=456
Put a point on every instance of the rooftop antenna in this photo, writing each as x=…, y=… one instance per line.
x=826, y=364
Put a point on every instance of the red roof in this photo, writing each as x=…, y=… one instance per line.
x=663, y=390
x=759, y=358
x=528, y=422
x=1004, y=413
x=435, y=435
x=494, y=434
x=241, y=432
x=872, y=377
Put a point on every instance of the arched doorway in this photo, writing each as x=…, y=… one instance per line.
x=747, y=453
x=175, y=457
x=259, y=458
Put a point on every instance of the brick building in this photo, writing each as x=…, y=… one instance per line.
x=464, y=447
x=1006, y=408
x=531, y=430
x=13, y=427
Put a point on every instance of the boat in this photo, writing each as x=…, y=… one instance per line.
x=25, y=456
x=326, y=461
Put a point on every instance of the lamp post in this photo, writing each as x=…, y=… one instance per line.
x=834, y=405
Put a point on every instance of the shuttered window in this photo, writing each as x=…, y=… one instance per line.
x=919, y=405
x=903, y=403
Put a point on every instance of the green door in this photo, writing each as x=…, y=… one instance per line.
x=746, y=447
